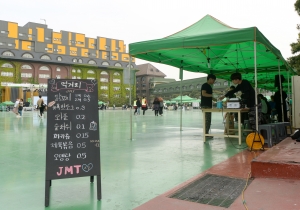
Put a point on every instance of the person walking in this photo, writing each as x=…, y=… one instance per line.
x=138, y=105
x=20, y=108
x=144, y=105
x=161, y=105
x=206, y=101
x=15, y=109
x=41, y=106
x=156, y=106
x=135, y=107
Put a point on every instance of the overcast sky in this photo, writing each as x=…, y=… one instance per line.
x=140, y=20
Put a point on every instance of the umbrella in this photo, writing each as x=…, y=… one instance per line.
x=100, y=102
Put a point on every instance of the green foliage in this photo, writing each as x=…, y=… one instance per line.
x=297, y=6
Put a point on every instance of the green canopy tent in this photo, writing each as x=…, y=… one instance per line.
x=7, y=103
x=210, y=46
x=184, y=98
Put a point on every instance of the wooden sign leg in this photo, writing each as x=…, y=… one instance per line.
x=47, y=192
x=99, y=195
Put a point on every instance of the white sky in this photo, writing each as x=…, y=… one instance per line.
x=141, y=20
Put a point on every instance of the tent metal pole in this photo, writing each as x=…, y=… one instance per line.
x=130, y=97
x=181, y=76
x=280, y=88
x=255, y=73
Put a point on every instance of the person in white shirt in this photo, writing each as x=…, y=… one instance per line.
x=15, y=110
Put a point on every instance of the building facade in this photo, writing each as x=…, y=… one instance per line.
x=147, y=78
x=34, y=53
x=191, y=87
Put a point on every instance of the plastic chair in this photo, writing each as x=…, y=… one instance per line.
x=281, y=130
x=268, y=135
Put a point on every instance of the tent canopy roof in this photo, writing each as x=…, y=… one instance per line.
x=210, y=46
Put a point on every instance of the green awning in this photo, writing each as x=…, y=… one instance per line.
x=210, y=46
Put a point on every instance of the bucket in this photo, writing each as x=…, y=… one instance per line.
x=219, y=104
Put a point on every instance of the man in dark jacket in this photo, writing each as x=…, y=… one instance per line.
x=206, y=101
x=249, y=97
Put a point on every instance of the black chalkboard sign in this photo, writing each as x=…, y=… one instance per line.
x=73, y=143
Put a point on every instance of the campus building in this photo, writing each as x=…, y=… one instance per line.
x=190, y=87
x=34, y=53
x=147, y=78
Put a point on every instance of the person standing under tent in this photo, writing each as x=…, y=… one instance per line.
x=206, y=101
x=277, y=99
x=144, y=105
x=248, y=97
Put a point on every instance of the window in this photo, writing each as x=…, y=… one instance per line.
x=116, y=80
x=177, y=88
x=117, y=95
x=117, y=88
x=159, y=90
x=27, y=55
x=90, y=77
x=26, y=67
x=225, y=83
x=143, y=85
x=20, y=34
x=191, y=86
x=184, y=88
x=57, y=69
x=171, y=89
x=103, y=80
x=90, y=72
x=116, y=74
x=104, y=73
x=8, y=53
x=44, y=68
x=103, y=87
x=157, y=70
x=57, y=76
x=1, y=43
x=78, y=71
x=28, y=75
x=9, y=44
x=74, y=60
x=45, y=57
x=165, y=90
x=92, y=62
x=128, y=89
x=29, y=35
x=199, y=86
x=118, y=65
x=105, y=63
x=44, y=76
x=80, y=42
x=7, y=74
x=73, y=77
x=4, y=32
x=50, y=49
x=7, y=65
x=131, y=66
x=143, y=79
x=59, y=58
x=217, y=84
x=79, y=60
x=78, y=77
x=104, y=95
x=74, y=70
x=47, y=38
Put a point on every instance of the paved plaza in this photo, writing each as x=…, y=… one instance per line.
x=158, y=158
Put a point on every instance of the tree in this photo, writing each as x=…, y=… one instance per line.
x=294, y=61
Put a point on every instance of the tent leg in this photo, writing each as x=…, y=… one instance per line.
x=256, y=102
x=181, y=76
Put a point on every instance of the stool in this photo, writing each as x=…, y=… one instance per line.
x=281, y=130
x=269, y=138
